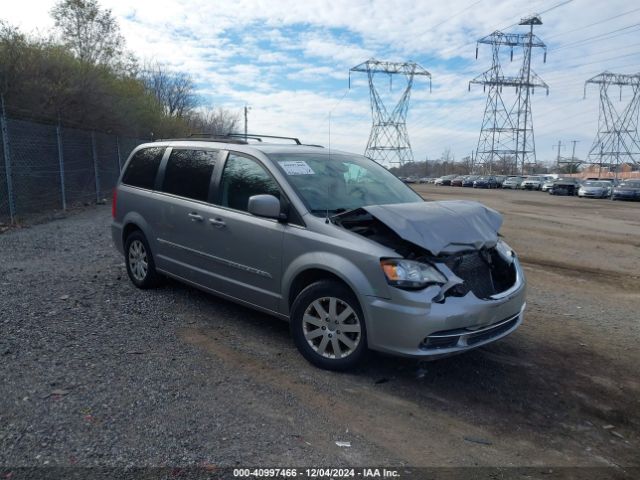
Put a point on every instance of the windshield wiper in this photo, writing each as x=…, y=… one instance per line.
x=328, y=211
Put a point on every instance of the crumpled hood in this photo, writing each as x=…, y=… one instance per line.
x=441, y=227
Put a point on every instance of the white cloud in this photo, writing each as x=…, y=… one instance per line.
x=289, y=60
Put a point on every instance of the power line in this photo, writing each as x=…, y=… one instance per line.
x=620, y=31
x=594, y=23
x=609, y=51
x=456, y=14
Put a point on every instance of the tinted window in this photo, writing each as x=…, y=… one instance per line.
x=188, y=173
x=243, y=178
x=142, y=169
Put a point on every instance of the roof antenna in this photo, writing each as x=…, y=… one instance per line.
x=327, y=218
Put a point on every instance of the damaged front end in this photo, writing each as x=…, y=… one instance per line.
x=457, y=239
x=458, y=286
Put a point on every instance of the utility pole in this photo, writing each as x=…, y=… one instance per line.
x=559, y=145
x=573, y=156
x=246, y=121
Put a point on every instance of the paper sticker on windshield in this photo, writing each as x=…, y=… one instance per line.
x=296, y=167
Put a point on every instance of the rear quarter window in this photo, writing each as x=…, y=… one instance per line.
x=143, y=167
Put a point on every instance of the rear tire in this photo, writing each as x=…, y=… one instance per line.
x=139, y=261
x=328, y=327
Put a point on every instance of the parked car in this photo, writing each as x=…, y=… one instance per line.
x=564, y=186
x=533, y=182
x=331, y=242
x=500, y=179
x=469, y=179
x=547, y=184
x=595, y=189
x=627, y=190
x=411, y=180
x=445, y=180
x=457, y=181
x=512, y=183
x=488, y=181
x=425, y=180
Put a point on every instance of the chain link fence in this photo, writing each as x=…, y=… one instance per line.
x=44, y=167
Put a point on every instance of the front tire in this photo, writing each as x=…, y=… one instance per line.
x=140, y=265
x=328, y=326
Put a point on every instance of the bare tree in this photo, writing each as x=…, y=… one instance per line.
x=466, y=165
x=214, y=121
x=174, y=90
x=447, y=156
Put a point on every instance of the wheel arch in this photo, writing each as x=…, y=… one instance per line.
x=312, y=267
x=133, y=222
x=309, y=276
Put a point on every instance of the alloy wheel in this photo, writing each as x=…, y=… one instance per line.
x=331, y=327
x=138, y=260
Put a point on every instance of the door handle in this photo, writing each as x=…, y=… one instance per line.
x=217, y=222
x=195, y=217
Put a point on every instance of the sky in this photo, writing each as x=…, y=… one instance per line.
x=289, y=61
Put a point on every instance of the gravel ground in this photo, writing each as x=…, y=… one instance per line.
x=96, y=372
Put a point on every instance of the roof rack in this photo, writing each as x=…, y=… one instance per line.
x=259, y=138
x=238, y=138
x=205, y=137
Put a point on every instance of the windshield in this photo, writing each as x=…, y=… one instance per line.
x=595, y=184
x=339, y=182
x=631, y=184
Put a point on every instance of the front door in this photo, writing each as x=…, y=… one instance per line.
x=248, y=248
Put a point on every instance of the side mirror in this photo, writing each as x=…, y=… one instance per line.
x=264, y=206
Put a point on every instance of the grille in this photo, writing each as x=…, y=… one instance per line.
x=451, y=338
x=484, y=272
x=494, y=332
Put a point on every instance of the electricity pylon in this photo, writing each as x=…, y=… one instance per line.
x=506, y=134
x=617, y=140
x=389, y=140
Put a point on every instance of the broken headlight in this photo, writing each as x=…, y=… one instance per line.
x=504, y=250
x=410, y=274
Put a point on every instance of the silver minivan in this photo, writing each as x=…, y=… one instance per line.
x=330, y=241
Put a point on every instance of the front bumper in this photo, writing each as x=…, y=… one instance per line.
x=594, y=194
x=626, y=196
x=411, y=325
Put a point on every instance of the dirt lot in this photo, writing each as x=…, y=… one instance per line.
x=95, y=372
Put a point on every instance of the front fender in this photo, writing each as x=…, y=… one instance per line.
x=361, y=284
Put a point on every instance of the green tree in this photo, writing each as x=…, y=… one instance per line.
x=91, y=33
